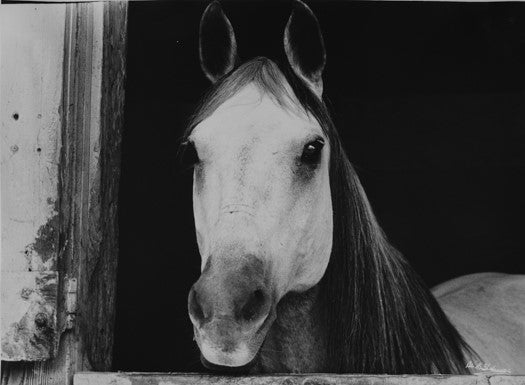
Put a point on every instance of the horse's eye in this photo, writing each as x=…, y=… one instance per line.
x=312, y=152
x=189, y=155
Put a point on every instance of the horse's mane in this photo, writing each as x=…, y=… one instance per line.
x=380, y=316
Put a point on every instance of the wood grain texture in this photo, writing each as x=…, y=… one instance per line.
x=290, y=379
x=32, y=54
x=92, y=108
x=90, y=174
x=102, y=252
x=78, y=69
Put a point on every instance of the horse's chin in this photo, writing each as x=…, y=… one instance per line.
x=249, y=358
x=248, y=368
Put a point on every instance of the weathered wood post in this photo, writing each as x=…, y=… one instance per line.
x=62, y=98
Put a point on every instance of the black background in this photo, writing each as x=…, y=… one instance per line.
x=428, y=97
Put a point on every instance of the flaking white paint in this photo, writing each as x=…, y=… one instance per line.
x=32, y=42
x=31, y=66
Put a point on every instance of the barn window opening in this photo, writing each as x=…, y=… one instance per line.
x=396, y=122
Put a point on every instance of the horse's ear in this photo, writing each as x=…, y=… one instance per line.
x=217, y=45
x=304, y=46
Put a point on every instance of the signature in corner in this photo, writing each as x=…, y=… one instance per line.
x=484, y=367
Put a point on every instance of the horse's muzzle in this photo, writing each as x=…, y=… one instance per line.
x=231, y=309
x=244, y=369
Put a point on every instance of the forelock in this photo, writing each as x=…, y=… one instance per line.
x=277, y=82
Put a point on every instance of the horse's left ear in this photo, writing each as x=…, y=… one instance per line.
x=217, y=44
x=304, y=46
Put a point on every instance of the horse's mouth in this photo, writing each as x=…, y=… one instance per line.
x=244, y=369
x=255, y=344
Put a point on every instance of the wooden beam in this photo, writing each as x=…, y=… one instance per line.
x=102, y=245
x=309, y=1
x=32, y=47
x=91, y=116
x=291, y=379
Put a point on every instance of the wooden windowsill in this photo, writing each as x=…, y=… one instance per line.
x=122, y=378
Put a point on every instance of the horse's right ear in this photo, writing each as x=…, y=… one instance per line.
x=304, y=46
x=217, y=45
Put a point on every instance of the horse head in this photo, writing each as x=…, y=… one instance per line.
x=261, y=193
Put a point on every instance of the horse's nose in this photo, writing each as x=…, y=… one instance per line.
x=246, y=306
x=254, y=308
x=196, y=308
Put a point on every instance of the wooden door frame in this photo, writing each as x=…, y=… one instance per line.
x=92, y=110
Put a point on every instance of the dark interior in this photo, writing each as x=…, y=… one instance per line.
x=429, y=100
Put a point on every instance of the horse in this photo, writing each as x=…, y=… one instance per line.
x=297, y=275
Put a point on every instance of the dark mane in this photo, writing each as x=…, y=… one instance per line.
x=380, y=316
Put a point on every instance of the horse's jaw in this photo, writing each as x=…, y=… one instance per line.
x=296, y=342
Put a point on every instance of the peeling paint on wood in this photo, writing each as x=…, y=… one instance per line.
x=32, y=54
x=93, y=378
x=42, y=252
x=89, y=163
x=32, y=48
x=29, y=329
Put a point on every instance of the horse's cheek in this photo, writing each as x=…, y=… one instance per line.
x=319, y=244
x=311, y=258
x=310, y=235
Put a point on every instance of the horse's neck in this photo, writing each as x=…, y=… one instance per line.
x=296, y=342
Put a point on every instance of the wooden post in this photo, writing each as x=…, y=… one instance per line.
x=32, y=52
x=91, y=65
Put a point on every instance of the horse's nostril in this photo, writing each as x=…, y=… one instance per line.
x=195, y=307
x=254, y=306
